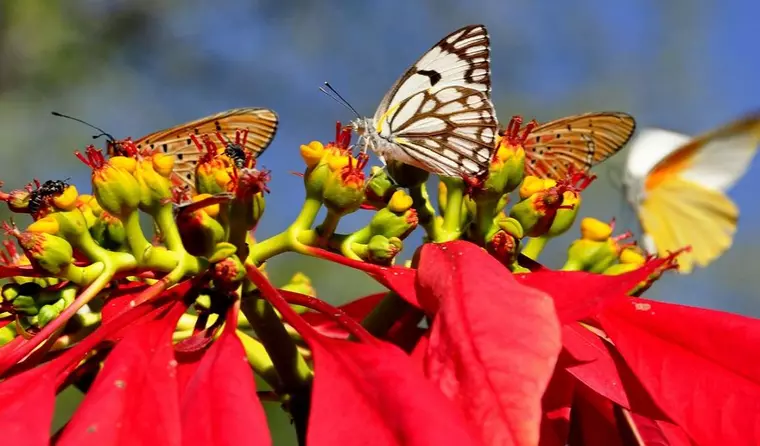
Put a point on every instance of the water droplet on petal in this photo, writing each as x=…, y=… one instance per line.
x=120, y=383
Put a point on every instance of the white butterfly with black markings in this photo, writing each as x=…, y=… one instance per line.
x=438, y=116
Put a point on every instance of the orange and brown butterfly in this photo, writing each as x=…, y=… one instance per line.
x=248, y=129
x=581, y=141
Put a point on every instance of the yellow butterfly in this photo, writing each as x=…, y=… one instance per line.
x=248, y=129
x=677, y=185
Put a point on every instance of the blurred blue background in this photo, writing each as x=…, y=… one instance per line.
x=136, y=66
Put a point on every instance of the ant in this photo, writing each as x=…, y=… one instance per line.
x=38, y=197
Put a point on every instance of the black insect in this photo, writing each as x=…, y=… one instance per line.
x=236, y=153
x=39, y=196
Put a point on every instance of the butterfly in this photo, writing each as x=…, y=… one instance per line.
x=251, y=129
x=438, y=116
x=677, y=186
x=578, y=142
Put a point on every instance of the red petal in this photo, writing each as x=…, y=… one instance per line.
x=493, y=343
x=219, y=406
x=134, y=398
x=396, y=278
x=357, y=310
x=372, y=394
x=593, y=420
x=578, y=295
x=595, y=366
x=119, y=300
x=659, y=433
x=557, y=401
x=700, y=366
x=369, y=393
x=27, y=401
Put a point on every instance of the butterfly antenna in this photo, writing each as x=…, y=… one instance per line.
x=333, y=93
x=102, y=132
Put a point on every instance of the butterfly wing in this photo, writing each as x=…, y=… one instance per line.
x=715, y=160
x=681, y=200
x=463, y=59
x=449, y=132
x=680, y=213
x=581, y=141
x=261, y=124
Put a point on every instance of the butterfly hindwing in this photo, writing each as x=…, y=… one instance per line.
x=450, y=131
x=581, y=141
x=463, y=58
x=261, y=124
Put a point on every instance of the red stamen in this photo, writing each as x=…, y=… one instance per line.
x=197, y=143
x=94, y=158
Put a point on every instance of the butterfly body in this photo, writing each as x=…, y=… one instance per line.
x=678, y=184
x=438, y=116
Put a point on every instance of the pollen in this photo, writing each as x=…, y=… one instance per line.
x=128, y=164
x=400, y=202
x=530, y=186
x=67, y=200
x=312, y=153
x=163, y=164
x=212, y=210
x=595, y=230
x=632, y=255
x=48, y=225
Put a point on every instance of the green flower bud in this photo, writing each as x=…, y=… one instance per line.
x=503, y=240
x=46, y=314
x=10, y=291
x=25, y=305
x=51, y=253
x=113, y=182
x=382, y=250
x=155, y=189
x=7, y=334
x=109, y=232
x=344, y=187
x=566, y=214
x=507, y=167
x=398, y=219
x=300, y=283
x=380, y=187
x=229, y=272
x=597, y=251
x=199, y=232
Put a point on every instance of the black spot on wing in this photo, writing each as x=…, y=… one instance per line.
x=433, y=75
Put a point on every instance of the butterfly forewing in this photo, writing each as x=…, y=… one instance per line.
x=450, y=131
x=261, y=124
x=460, y=59
x=581, y=141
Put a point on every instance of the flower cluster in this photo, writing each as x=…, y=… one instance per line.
x=165, y=332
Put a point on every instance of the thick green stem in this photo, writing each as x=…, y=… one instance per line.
x=425, y=211
x=287, y=240
x=534, y=247
x=452, y=218
x=485, y=210
x=293, y=371
x=260, y=361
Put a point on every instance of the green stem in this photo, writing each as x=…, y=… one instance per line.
x=425, y=211
x=287, y=240
x=138, y=244
x=259, y=359
x=238, y=211
x=292, y=369
x=534, y=247
x=452, y=218
x=328, y=226
x=485, y=210
x=83, y=275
